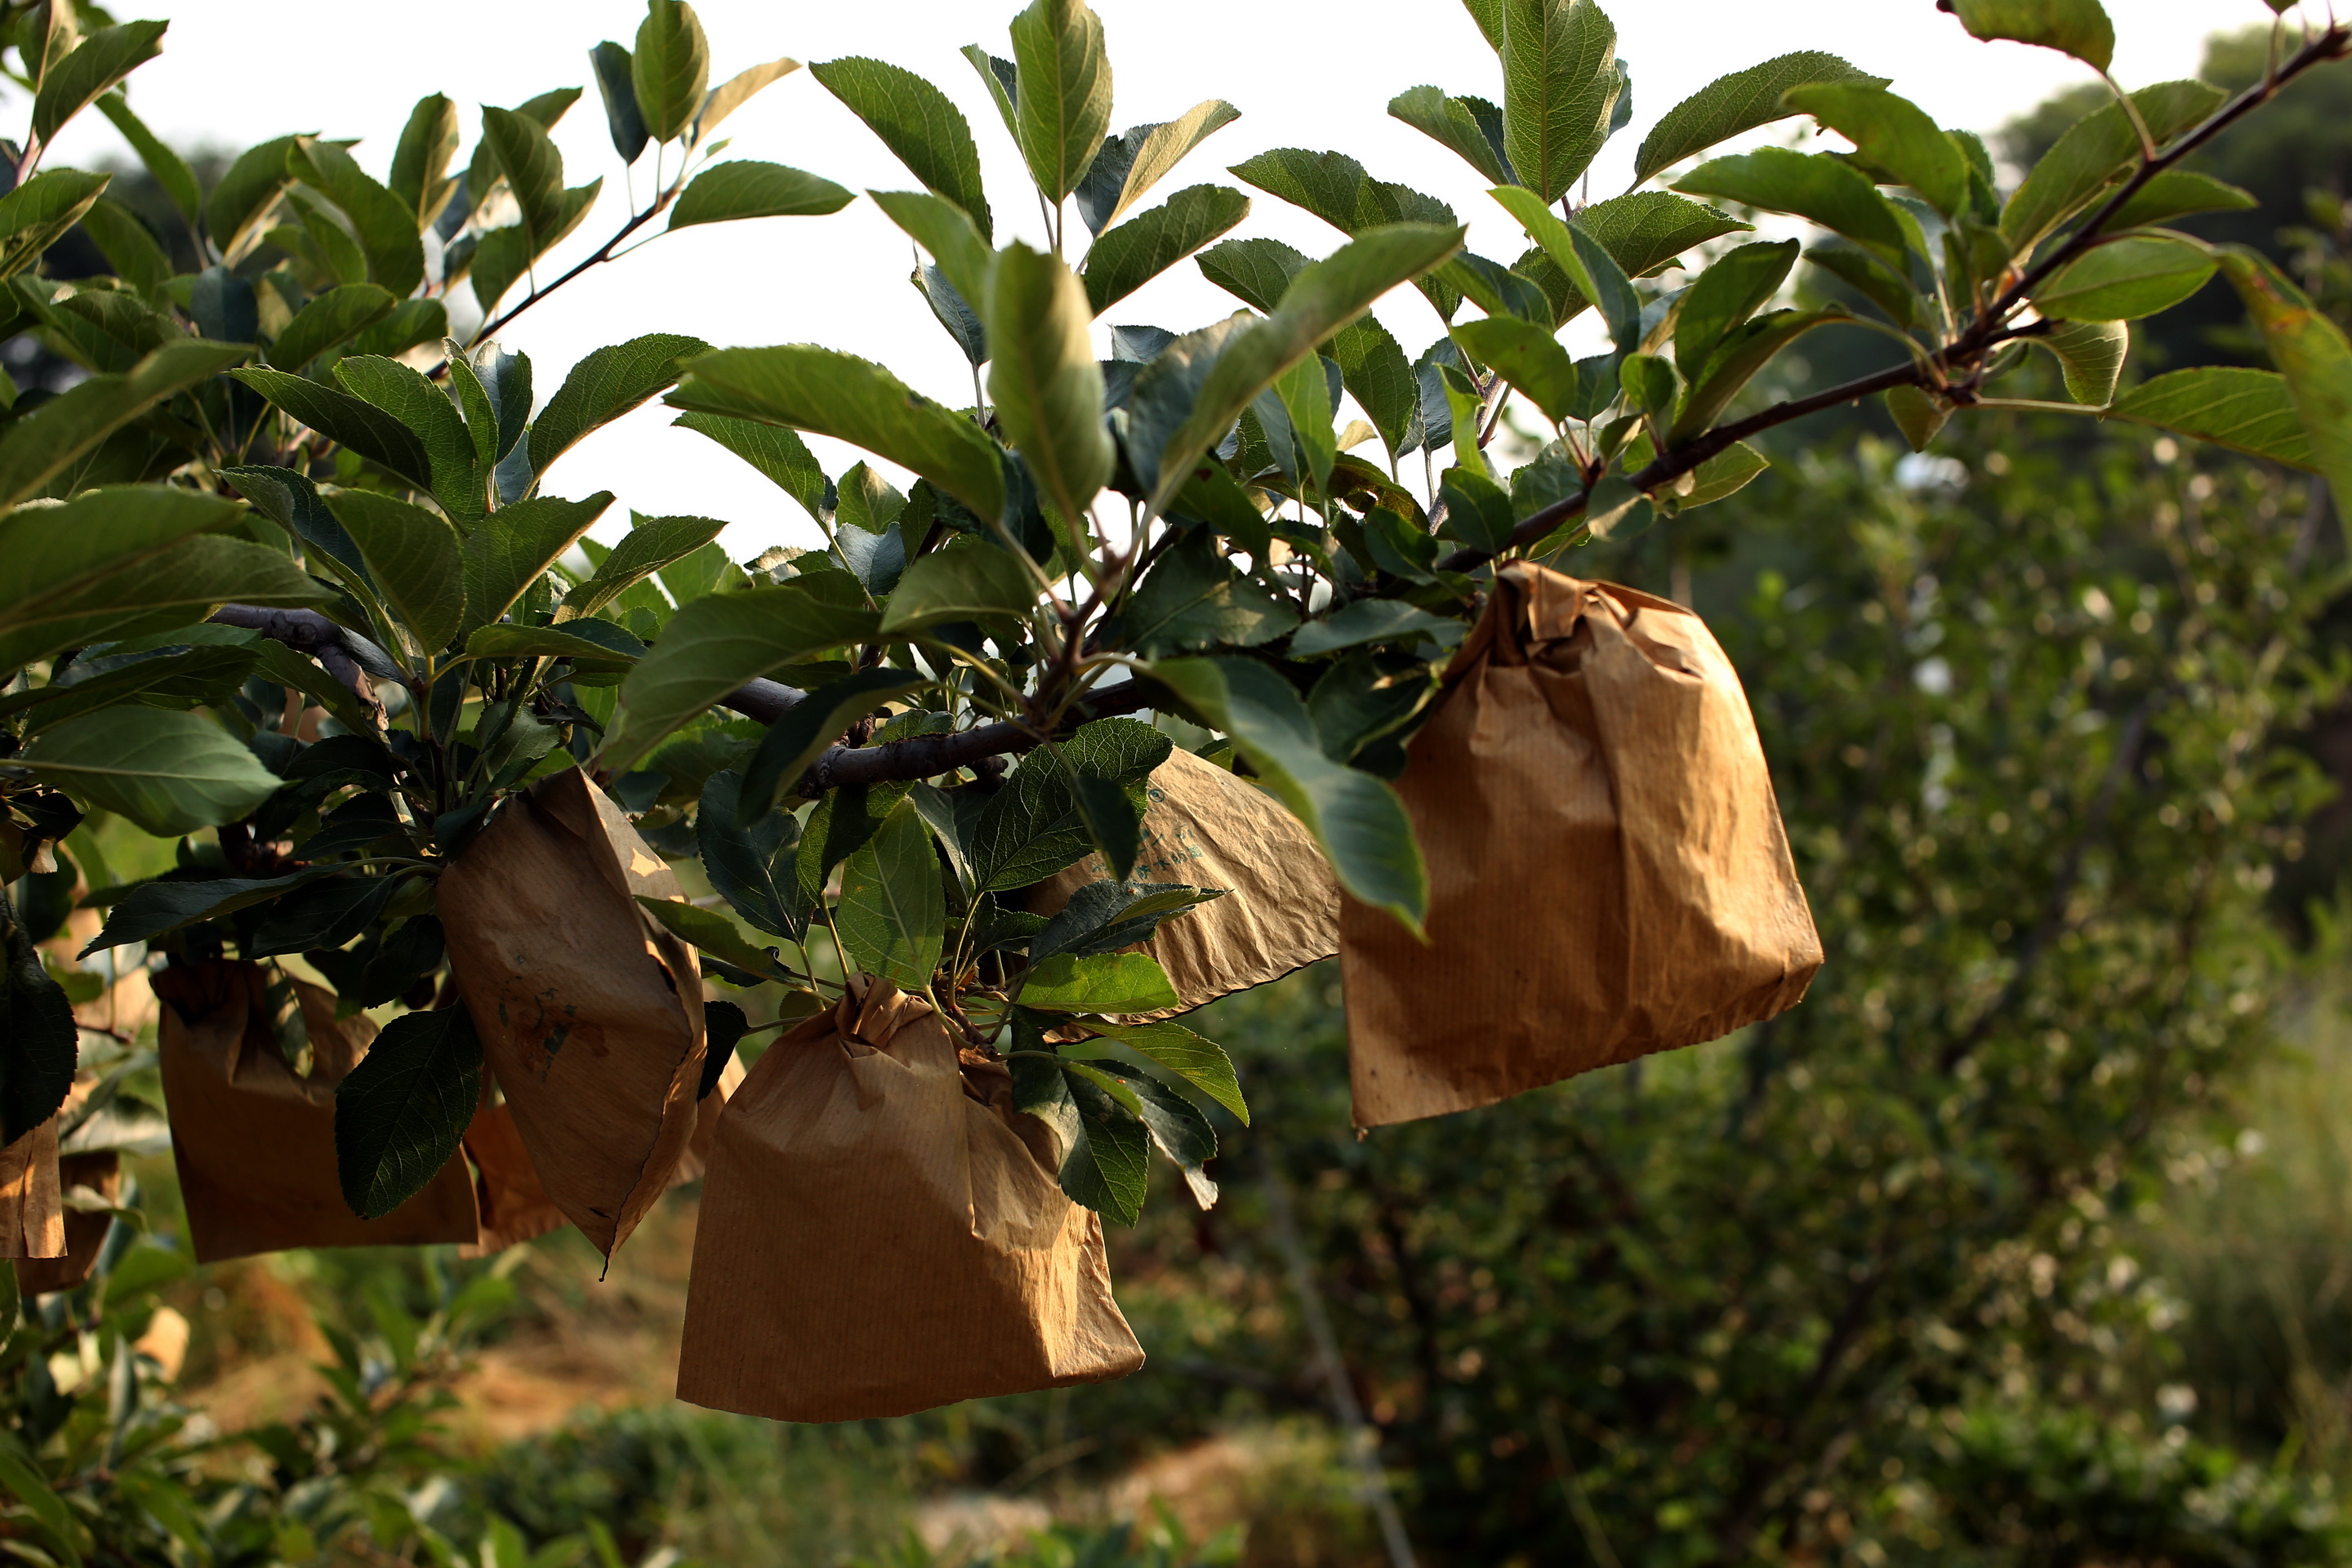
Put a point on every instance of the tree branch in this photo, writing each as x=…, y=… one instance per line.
x=306, y=631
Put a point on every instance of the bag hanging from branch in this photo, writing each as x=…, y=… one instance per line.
x=1608, y=873
x=1203, y=828
x=516, y=1207
x=590, y=1012
x=254, y=1142
x=32, y=1196
x=94, y=1175
x=881, y=1233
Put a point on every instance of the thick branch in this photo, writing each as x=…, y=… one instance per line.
x=305, y=631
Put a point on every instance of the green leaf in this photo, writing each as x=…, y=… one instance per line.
x=670, y=69
x=1741, y=102
x=651, y=543
x=916, y=122
x=971, y=578
x=2126, y=279
x=1642, y=232
x=292, y=501
x=168, y=773
x=1478, y=512
x=511, y=547
x=1373, y=369
x=1357, y=819
x=124, y=560
x=329, y=320
x=37, y=1020
x=1320, y=300
x=2252, y=411
x=748, y=857
x=1106, y=1152
x=2090, y=355
x=1064, y=110
x=1872, y=278
x=1739, y=283
x=1745, y=350
x=49, y=1512
x=1893, y=136
x=420, y=161
x=102, y=58
x=410, y=322
x=711, y=932
x=1595, y=273
x=1371, y=621
x=323, y=914
x=2310, y=349
x=44, y=442
x=1255, y=271
x=399, y=1114
x=1559, y=84
x=606, y=383
x=893, y=910
x=1917, y=415
x=1817, y=186
x=417, y=562
x=616, y=85
x=1177, y=1128
x=946, y=230
x=40, y=212
x=588, y=642
x=2099, y=148
x=1528, y=357
x=1128, y=165
x=1129, y=257
x=2177, y=192
x=169, y=170
x=533, y=171
x=815, y=722
x=243, y=198
x=776, y=452
x=1199, y=1062
x=736, y=91
x=854, y=400
x=1304, y=393
x=1193, y=598
x=122, y=237
x=2076, y=27
x=713, y=645
x=385, y=226
x=745, y=188
x=348, y=421
x=1033, y=826
x=1470, y=126
x=1044, y=379
x=1726, y=473
x=1105, y=983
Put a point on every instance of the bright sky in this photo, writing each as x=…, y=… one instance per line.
x=1303, y=73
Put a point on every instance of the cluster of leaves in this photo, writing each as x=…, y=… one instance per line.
x=1281, y=601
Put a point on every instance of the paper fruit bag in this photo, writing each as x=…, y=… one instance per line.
x=590, y=1012
x=32, y=1197
x=1608, y=874
x=254, y=1142
x=516, y=1207
x=1203, y=828
x=877, y=1239
x=97, y=1175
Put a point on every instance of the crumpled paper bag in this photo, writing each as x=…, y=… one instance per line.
x=85, y=1230
x=1203, y=828
x=516, y=1207
x=1608, y=872
x=32, y=1196
x=880, y=1234
x=254, y=1143
x=590, y=1012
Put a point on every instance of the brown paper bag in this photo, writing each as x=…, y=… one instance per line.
x=1205, y=828
x=254, y=1143
x=590, y=1012
x=877, y=1239
x=32, y=1197
x=1608, y=875
x=85, y=1232
x=516, y=1207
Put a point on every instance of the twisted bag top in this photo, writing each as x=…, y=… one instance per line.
x=1608, y=876
x=881, y=1232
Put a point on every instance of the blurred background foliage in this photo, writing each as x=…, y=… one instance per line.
x=2025, y=1241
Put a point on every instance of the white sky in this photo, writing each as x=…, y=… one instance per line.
x=1304, y=73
